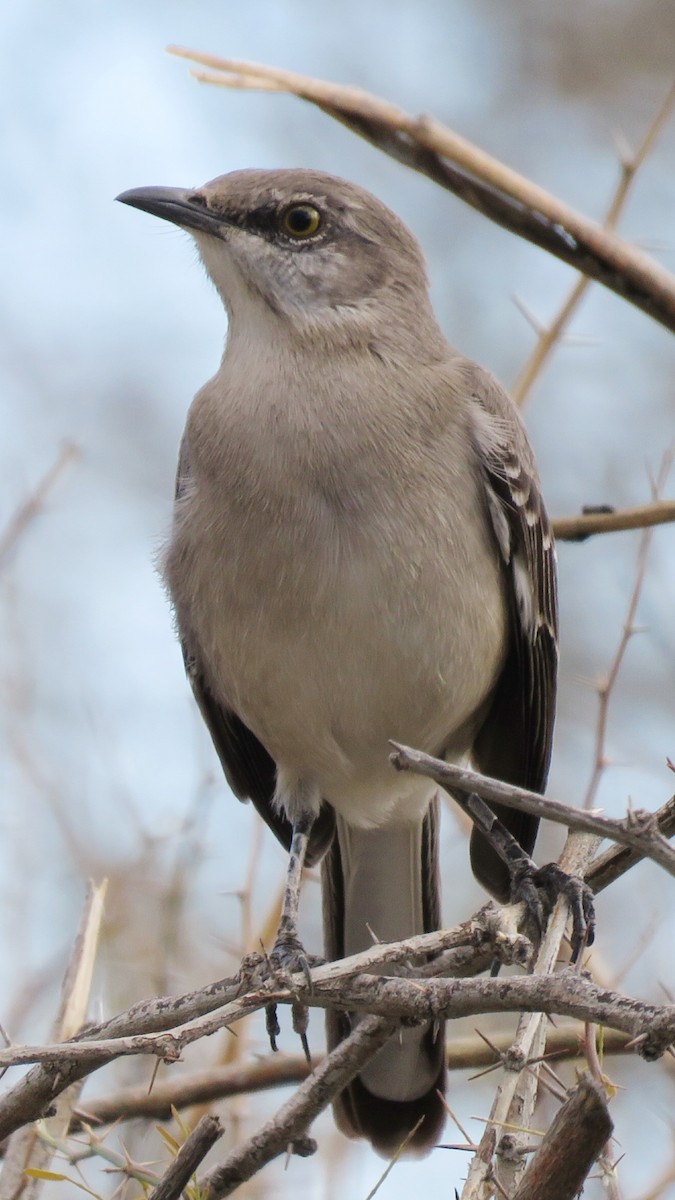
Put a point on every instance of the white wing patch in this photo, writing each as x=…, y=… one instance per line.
x=522, y=584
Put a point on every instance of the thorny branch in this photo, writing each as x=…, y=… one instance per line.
x=165, y=1025
x=279, y=1070
x=333, y=985
x=551, y=334
x=639, y=830
x=204, y=1136
x=495, y=190
x=606, y=687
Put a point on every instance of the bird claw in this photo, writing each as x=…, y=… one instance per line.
x=538, y=888
x=289, y=958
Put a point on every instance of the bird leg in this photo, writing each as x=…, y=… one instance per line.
x=288, y=954
x=538, y=888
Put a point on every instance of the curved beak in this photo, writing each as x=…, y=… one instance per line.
x=185, y=208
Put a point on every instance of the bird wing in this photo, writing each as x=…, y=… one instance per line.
x=249, y=769
x=514, y=743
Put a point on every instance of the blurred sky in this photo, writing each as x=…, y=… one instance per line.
x=109, y=327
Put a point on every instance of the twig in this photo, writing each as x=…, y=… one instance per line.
x=481, y=181
x=280, y=1070
x=613, y=863
x=552, y=333
x=398, y=997
x=288, y=1127
x=200, y=1087
x=606, y=687
x=205, y=1134
x=514, y=1102
x=32, y=506
x=639, y=830
x=472, y=943
x=571, y=1145
x=75, y=1150
x=25, y=1148
x=576, y=529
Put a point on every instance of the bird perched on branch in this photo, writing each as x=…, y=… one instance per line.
x=359, y=553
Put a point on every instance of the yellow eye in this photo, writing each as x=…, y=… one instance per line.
x=300, y=220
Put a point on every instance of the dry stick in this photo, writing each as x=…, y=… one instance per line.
x=639, y=830
x=552, y=333
x=514, y=1102
x=571, y=1145
x=609, y=866
x=576, y=529
x=195, y=1148
x=288, y=1127
x=277, y=1070
x=481, y=181
x=204, y=1087
x=24, y=1149
x=27, y=1100
x=33, y=505
x=416, y=999
x=606, y=688
x=471, y=944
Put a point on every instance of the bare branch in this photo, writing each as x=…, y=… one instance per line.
x=205, y=1134
x=576, y=529
x=514, y=1102
x=481, y=181
x=553, y=332
x=201, y=1087
x=288, y=1128
x=639, y=830
x=416, y=998
x=613, y=863
x=25, y=1149
x=279, y=1070
x=575, y=1139
x=606, y=687
x=473, y=944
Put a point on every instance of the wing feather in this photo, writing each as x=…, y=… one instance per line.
x=514, y=743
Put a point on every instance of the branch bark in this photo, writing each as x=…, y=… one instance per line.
x=287, y=1128
x=193, y=1151
x=279, y=1070
x=573, y=1142
x=639, y=831
x=643, y=516
x=493, y=189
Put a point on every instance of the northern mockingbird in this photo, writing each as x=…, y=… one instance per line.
x=359, y=553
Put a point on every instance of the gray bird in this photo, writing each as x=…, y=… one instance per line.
x=359, y=553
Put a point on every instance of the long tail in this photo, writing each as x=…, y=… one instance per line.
x=387, y=881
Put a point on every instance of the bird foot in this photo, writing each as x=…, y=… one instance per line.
x=538, y=888
x=288, y=958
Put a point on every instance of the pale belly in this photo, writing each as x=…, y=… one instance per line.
x=328, y=656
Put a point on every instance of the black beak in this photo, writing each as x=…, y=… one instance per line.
x=187, y=209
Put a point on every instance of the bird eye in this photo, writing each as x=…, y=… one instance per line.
x=300, y=220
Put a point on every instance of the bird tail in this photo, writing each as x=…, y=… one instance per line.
x=386, y=881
